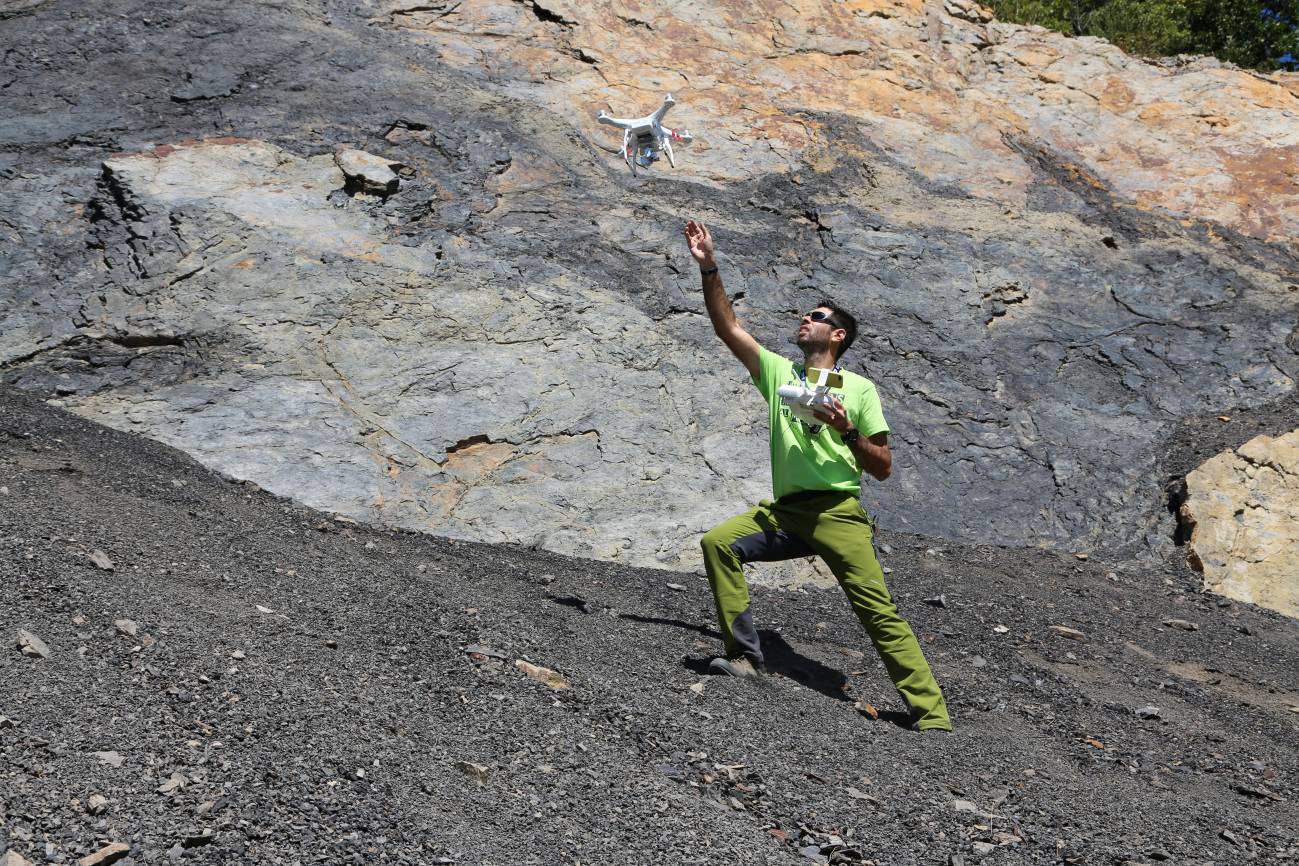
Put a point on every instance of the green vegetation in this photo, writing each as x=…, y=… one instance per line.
x=1258, y=34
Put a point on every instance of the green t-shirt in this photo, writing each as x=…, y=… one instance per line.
x=807, y=458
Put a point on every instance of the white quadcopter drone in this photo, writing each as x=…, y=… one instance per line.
x=644, y=137
x=804, y=400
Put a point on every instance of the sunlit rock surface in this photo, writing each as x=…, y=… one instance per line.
x=1056, y=253
x=1241, y=509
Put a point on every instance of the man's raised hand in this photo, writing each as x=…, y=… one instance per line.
x=700, y=243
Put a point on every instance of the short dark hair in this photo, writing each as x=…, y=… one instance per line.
x=841, y=318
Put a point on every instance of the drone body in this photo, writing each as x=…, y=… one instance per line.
x=804, y=400
x=644, y=137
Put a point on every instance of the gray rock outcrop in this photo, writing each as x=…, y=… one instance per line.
x=510, y=345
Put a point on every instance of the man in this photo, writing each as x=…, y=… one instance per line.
x=816, y=476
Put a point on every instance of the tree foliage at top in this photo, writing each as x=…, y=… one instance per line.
x=1257, y=34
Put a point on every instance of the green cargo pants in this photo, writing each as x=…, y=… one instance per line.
x=834, y=527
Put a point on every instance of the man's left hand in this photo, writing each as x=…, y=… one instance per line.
x=836, y=417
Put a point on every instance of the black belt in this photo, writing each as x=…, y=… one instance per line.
x=804, y=495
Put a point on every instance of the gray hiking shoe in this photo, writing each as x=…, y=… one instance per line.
x=740, y=667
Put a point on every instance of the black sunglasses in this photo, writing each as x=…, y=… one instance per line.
x=822, y=316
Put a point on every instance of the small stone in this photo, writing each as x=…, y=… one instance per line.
x=857, y=794
x=697, y=688
x=331, y=643
x=194, y=840
x=867, y=709
x=126, y=627
x=96, y=804
x=101, y=560
x=173, y=784
x=983, y=848
x=1184, y=625
x=6, y=722
x=1000, y=629
x=477, y=772
x=32, y=646
x=261, y=608
x=545, y=676
x=1082, y=556
x=978, y=661
x=366, y=172
x=108, y=854
x=964, y=806
x=112, y=759
x=1066, y=631
x=937, y=600
x=238, y=655
x=1258, y=791
x=13, y=858
x=677, y=587
x=1148, y=712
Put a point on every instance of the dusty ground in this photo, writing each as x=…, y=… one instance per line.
x=302, y=690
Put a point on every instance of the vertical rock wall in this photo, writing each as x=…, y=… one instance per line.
x=1054, y=254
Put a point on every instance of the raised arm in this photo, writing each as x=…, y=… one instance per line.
x=738, y=340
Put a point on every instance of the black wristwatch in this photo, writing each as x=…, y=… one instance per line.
x=850, y=435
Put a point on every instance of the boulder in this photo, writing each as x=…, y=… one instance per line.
x=367, y=173
x=1242, y=510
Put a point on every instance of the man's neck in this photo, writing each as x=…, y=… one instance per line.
x=820, y=360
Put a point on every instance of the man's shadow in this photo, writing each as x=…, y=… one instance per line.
x=780, y=658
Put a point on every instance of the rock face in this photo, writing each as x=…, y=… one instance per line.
x=1055, y=252
x=1240, y=509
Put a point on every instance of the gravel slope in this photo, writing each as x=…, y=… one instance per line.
x=299, y=690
